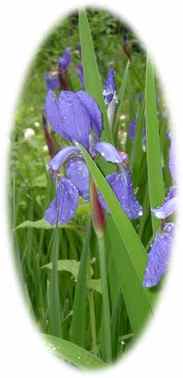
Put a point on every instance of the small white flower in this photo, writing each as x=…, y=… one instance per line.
x=45, y=148
x=28, y=133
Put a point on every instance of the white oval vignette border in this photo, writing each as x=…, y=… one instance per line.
x=23, y=25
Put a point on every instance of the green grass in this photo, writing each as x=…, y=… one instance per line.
x=86, y=294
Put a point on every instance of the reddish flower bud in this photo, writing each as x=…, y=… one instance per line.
x=98, y=215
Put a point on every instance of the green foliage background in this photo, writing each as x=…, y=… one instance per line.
x=31, y=191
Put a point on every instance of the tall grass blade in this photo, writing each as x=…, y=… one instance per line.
x=73, y=354
x=155, y=176
x=92, y=78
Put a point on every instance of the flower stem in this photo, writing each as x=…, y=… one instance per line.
x=92, y=320
x=105, y=297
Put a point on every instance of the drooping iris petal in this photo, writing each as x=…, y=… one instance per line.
x=61, y=156
x=132, y=130
x=158, y=256
x=65, y=59
x=93, y=111
x=52, y=80
x=109, y=152
x=172, y=159
x=77, y=172
x=63, y=207
x=74, y=117
x=109, y=86
x=52, y=113
x=80, y=73
x=121, y=184
x=168, y=207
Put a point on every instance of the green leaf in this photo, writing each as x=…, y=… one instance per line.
x=92, y=79
x=71, y=266
x=130, y=256
x=155, y=176
x=44, y=225
x=73, y=354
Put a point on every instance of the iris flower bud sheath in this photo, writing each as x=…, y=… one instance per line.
x=98, y=215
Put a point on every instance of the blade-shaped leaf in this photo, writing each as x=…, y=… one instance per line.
x=73, y=354
x=155, y=177
x=92, y=79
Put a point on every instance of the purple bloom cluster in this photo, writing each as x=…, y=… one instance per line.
x=76, y=117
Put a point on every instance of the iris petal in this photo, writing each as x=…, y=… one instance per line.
x=121, y=184
x=168, y=207
x=158, y=256
x=77, y=172
x=52, y=111
x=93, y=111
x=63, y=207
x=60, y=158
x=109, y=152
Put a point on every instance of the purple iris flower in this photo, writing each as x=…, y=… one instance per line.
x=132, y=130
x=121, y=183
x=77, y=118
x=52, y=80
x=109, y=94
x=158, y=256
x=65, y=59
x=109, y=86
x=80, y=73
